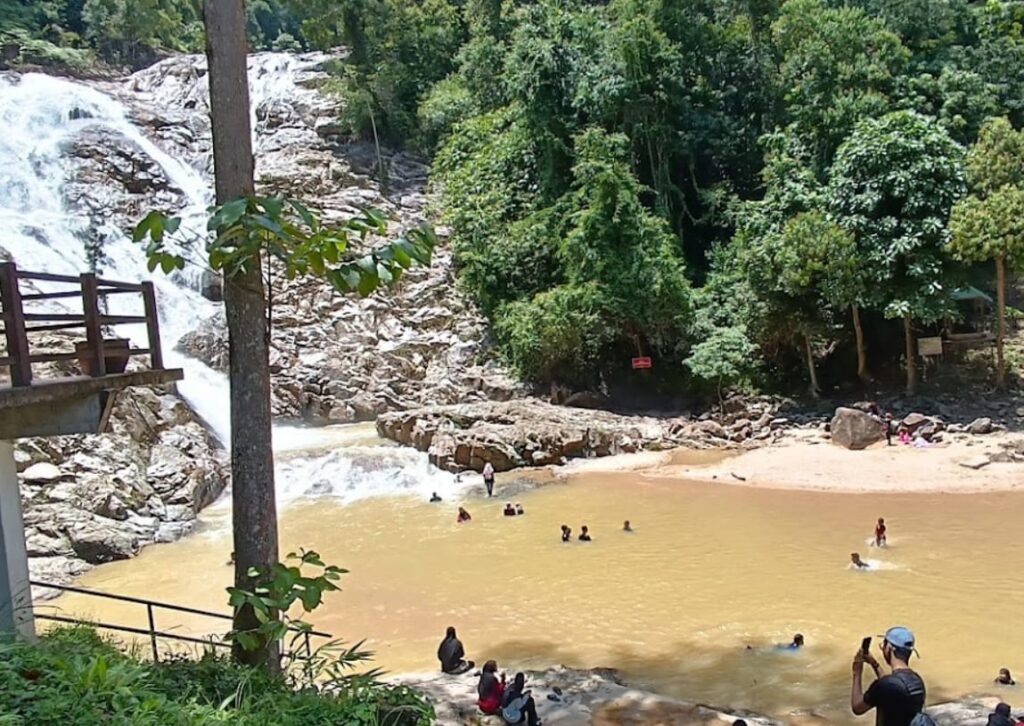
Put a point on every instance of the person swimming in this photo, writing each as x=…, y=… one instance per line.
x=880, y=532
x=463, y=516
x=626, y=527
x=566, y=534
x=1004, y=678
x=510, y=511
x=584, y=534
x=796, y=644
x=519, y=508
x=856, y=561
x=434, y=498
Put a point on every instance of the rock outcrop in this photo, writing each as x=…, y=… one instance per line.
x=854, y=429
x=530, y=432
x=596, y=696
x=90, y=499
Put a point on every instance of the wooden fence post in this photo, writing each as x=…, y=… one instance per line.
x=156, y=356
x=14, y=325
x=93, y=330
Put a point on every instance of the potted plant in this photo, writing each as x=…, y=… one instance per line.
x=115, y=355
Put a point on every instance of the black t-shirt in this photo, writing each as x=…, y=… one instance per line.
x=896, y=698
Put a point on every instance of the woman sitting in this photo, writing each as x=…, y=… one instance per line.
x=452, y=654
x=490, y=690
x=517, y=706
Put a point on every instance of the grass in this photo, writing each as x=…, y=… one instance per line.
x=74, y=677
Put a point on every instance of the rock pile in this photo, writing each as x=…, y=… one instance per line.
x=530, y=432
x=96, y=498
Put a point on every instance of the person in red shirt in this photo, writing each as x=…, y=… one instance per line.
x=490, y=689
x=880, y=533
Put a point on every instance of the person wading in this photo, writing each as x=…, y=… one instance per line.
x=489, y=478
x=898, y=698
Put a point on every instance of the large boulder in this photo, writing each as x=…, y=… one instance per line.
x=853, y=429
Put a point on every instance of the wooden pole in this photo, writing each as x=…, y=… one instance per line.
x=14, y=325
x=156, y=356
x=93, y=329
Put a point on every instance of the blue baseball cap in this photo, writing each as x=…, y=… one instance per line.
x=900, y=637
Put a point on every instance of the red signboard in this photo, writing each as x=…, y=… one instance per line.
x=639, y=363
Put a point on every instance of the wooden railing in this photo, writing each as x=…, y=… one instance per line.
x=89, y=289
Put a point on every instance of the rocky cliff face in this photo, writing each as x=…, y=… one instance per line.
x=334, y=359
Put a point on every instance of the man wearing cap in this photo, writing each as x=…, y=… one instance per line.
x=898, y=697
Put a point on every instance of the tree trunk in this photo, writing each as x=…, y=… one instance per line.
x=908, y=337
x=815, y=390
x=862, y=354
x=254, y=511
x=1000, y=320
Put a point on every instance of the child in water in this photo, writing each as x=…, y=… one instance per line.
x=463, y=516
x=519, y=508
x=857, y=563
x=509, y=510
x=566, y=534
x=626, y=527
x=584, y=534
x=880, y=532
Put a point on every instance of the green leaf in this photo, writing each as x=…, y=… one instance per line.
x=368, y=282
x=228, y=214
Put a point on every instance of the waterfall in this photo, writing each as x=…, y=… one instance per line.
x=42, y=116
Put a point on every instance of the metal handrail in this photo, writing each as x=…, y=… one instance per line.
x=152, y=632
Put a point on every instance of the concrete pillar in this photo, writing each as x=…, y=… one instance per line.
x=15, y=593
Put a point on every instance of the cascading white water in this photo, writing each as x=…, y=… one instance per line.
x=40, y=116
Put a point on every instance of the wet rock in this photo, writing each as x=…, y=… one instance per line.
x=99, y=540
x=980, y=426
x=853, y=429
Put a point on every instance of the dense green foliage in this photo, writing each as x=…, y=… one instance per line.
x=73, y=677
x=659, y=177
x=73, y=33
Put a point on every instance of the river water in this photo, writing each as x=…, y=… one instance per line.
x=708, y=570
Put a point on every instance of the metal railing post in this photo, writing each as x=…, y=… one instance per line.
x=309, y=652
x=93, y=330
x=152, y=632
x=14, y=325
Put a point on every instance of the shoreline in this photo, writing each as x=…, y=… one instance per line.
x=806, y=460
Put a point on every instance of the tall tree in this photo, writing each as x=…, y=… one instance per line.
x=892, y=185
x=989, y=224
x=254, y=508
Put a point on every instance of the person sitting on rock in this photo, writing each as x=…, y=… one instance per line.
x=463, y=516
x=1001, y=716
x=857, y=563
x=451, y=654
x=490, y=689
x=566, y=533
x=510, y=511
x=584, y=534
x=880, y=532
x=517, y=706
x=434, y=498
x=1004, y=678
x=519, y=508
x=626, y=527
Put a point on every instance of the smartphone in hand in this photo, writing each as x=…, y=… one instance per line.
x=865, y=645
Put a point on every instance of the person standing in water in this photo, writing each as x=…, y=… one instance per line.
x=899, y=697
x=509, y=511
x=434, y=498
x=880, y=532
x=519, y=509
x=489, y=478
x=566, y=533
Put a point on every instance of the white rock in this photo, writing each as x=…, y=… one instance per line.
x=41, y=472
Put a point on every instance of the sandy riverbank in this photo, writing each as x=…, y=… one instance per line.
x=804, y=460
